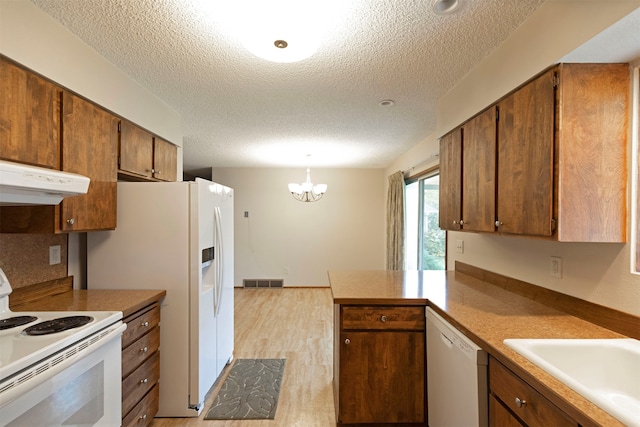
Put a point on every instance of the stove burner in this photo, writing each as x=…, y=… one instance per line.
x=57, y=325
x=13, y=322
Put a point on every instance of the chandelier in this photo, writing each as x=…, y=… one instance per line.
x=307, y=192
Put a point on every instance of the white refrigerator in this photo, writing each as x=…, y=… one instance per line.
x=176, y=236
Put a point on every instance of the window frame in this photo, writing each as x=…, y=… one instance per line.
x=420, y=177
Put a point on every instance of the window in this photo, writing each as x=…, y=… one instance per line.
x=425, y=242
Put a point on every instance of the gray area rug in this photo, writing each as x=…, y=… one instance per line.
x=250, y=391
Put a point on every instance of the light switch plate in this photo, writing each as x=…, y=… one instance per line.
x=555, y=267
x=54, y=255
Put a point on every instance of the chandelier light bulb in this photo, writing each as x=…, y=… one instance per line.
x=307, y=192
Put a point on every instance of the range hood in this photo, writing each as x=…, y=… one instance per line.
x=31, y=185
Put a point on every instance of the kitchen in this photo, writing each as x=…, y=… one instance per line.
x=593, y=272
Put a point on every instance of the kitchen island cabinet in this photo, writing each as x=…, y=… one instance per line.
x=140, y=341
x=380, y=359
x=379, y=352
x=489, y=308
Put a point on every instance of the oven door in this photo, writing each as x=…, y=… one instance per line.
x=80, y=386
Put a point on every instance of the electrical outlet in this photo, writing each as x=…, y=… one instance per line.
x=286, y=270
x=460, y=246
x=555, y=267
x=54, y=255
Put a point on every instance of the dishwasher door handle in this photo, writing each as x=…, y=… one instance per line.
x=446, y=340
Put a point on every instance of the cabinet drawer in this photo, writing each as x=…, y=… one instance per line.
x=536, y=411
x=139, y=382
x=140, y=324
x=143, y=413
x=134, y=355
x=383, y=318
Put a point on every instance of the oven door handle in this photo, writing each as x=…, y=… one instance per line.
x=42, y=371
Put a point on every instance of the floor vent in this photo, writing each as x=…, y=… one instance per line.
x=262, y=283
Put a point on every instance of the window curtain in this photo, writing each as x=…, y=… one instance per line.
x=395, y=222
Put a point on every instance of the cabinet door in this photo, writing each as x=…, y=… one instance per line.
x=165, y=160
x=382, y=377
x=136, y=150
x=89, y=147
x=450, y=209
x=499, y=416
x=525, y=158
x=29, y=117
x=479, y=175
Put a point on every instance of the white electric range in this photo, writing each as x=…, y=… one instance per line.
x=50, y=358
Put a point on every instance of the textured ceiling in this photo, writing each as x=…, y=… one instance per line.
x=239, y=110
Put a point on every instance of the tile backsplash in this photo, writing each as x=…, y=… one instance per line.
x=24, y=258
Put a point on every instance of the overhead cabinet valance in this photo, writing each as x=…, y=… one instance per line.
x=547, y=160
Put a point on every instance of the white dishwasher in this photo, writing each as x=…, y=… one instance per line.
x=456, y=377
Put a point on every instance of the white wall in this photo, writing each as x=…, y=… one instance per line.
x=594, y=272
x=35, y=40
x=343, y=230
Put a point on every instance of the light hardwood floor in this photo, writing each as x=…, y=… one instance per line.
x=295, y=324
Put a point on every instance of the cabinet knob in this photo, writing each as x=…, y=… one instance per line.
x=498, y=223
x=455, y=222
x=462, y=222
x=71, y=221
x=145, y=324
x=158, y=172
x=520, y=402
x=144, y=381
x=144, y=349
x=383, y=318
x=347, y=341
x=143, y=417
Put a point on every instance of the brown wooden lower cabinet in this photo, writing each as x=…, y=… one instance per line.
x=513, y=402
x=141, y=366
x=379, y=365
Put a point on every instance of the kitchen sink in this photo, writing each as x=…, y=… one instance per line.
x=604, y=371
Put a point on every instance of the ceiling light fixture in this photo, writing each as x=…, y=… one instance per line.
x=444, y=7
x=279, y=30
x=307, y=192
x=386, y=103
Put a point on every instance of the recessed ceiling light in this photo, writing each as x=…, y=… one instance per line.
x=386, y=103
x=444, y=7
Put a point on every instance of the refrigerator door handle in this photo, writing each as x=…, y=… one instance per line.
x=219, y=260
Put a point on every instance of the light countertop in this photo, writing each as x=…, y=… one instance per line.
x=126, y=301
x=487, y=314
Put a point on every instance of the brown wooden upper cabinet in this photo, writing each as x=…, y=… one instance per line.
x=29, y=117
x=555, y=165
x=450, y=210
x=145, y=157
x=88, y=147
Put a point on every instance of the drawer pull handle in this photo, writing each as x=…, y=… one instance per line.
x=347, y=341
x=145, y=324
x=520, y=403
x=71, y=221
x=144, y=381
x=143, y=417
x=144, y=349
x=383, y=318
